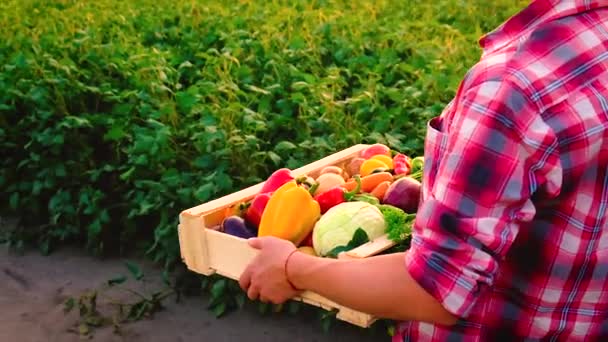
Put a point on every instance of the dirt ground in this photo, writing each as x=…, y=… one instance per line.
x=33, y=289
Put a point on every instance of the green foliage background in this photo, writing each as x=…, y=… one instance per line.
x=117, y=115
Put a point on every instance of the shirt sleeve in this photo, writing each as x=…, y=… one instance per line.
x=498, y=153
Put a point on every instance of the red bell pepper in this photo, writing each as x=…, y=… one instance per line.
x=307, y=241
x=336, y=195
x=256, y=208
x=276, y=179
x=402, y=164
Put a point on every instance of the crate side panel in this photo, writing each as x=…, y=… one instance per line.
x=193, y=244
x=228, y=255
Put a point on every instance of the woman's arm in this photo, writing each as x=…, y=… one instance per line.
x=379, y=285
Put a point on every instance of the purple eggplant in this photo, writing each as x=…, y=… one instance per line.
x=237, y=226
x=404, y=193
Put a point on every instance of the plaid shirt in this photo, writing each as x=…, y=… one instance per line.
x=512, y=231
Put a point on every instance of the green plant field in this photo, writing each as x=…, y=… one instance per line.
x=117, y=115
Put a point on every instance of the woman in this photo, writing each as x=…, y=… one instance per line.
x=511, y=238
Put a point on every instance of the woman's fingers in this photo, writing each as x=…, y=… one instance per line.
x=253, y=292
x=245, y=279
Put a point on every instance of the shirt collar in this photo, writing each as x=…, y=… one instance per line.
x=536, y=13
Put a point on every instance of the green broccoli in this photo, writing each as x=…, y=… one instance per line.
x=398, y=223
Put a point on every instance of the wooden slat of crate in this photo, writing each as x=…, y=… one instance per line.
x=207, y=251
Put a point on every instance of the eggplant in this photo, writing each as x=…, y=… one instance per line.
x=237, y=226
x=404, y=194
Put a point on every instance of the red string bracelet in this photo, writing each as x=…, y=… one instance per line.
x=286, y=275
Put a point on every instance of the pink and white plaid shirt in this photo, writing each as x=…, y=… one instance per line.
x=512, y=232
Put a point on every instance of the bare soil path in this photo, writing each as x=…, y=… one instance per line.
x=33, y=289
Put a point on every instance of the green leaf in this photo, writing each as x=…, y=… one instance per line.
x=204, y=192
x=219, y=309
x=294, y=307
x=297, y=43
x=117, y=280
x=240, y=300
x=115, y=133
x=74, y=122
x=218, y=288
x=359, y=238
x=134, y=270
x=14, y=201
x=371, y=199
x=285, y=146
x=277, y=308
x=94, y=229
x=83, y=329
x=36, y=187
x=127, y=174
x=263, y=307
x=185, y=101
x=166, y=278
x=60, y=171
x=68, y=305
x=326, y=324
x=214, y=301
x=276, y=159
x=258, y=90
x=45, y=246
x=205, y=283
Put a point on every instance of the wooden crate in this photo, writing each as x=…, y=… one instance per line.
x=206, y=251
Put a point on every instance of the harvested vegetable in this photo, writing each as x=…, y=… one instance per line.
x=327, y=181
x=237, y=226
x=375, y=149
x=367, y=198
x=380, y=189
x=404, y=193
x=290, y=214
x=338, y=225
x=336, y=195
x=306, y=181
x=354, y=167
x=385, y=159
x=417, y=164
x=307, y=250
x=276, y=179
x=369, y=182
x=398, y=223
x=253, y=215
x=334, y=169
x=381, y=169
x=417, y=168
x=370, y=165
x=308, y=240
x=401, y=164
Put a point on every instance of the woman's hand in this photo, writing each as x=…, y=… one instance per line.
x=265, y=276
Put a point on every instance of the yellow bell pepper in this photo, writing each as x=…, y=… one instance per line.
x=291, y=213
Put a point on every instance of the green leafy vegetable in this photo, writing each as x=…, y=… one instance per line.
x=398, y=223
x=417, y=168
